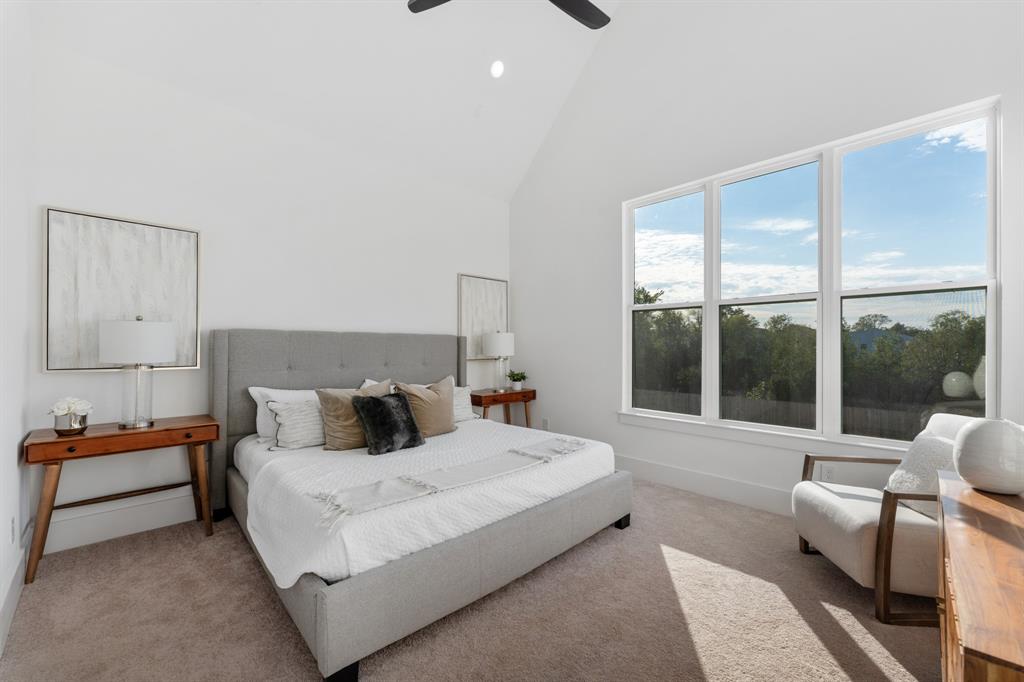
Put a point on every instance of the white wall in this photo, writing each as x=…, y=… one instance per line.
x=679, y=91
x=15, y=216
x=295, y=233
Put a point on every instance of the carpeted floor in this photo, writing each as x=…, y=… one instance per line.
x=695, y=589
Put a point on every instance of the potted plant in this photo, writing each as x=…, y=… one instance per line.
x=517, y=379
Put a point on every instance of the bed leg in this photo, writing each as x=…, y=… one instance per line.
x=349, y=673
x=622, y=523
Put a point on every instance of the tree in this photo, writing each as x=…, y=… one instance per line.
x=871, y=321
x=641, y=295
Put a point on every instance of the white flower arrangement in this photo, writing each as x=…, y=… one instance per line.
x=69, y=405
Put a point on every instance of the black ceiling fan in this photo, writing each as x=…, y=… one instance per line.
x=582, y=11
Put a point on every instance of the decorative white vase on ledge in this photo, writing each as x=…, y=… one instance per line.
x=989, y=454
x=517, y=385
x=979, y=379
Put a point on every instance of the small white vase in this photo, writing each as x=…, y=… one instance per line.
x=979, y=379
x=517, y=385
x=989, y=454
x=957, y=385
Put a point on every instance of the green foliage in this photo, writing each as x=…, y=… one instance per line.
x=776, y=361
x=516, y=376
x=906, y=365
x=641, y=296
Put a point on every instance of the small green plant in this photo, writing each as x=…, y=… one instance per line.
x=517, y=376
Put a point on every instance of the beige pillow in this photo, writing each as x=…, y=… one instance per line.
x=342, y=430
x=432, y=406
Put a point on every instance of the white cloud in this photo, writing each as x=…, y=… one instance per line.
x=888, y=275
x=740, y=280
x=779, y=225
x=809, y=239
x=883, y=256
x=969, y=136
x=672, y=262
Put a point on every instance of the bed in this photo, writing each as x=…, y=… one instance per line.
x=373, y=599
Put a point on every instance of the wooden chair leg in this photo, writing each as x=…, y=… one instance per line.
x=805, y=547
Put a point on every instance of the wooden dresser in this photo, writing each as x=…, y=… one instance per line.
x=981, y=583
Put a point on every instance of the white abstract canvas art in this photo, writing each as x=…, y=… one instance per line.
x=102, y=268
x=483, y=308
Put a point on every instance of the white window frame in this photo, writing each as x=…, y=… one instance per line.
x=828, y=297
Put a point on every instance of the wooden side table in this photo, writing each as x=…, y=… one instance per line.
x=487, y=397
x=44, y=446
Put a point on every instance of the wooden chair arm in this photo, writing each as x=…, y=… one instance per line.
x=810, y=460
x=883, y=557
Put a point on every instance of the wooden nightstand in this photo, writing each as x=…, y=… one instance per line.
x=486, y=397
x=44, y=446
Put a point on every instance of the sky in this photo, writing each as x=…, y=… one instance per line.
x=914, y=211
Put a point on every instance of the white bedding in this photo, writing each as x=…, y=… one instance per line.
x=284, y=519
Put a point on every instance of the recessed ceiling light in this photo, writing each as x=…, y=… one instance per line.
x=497, y=68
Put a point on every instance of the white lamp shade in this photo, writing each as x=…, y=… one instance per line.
x=500, y=344
x=127, y=342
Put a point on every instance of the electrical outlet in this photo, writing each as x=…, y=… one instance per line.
x=828, y=473
x=544, y=424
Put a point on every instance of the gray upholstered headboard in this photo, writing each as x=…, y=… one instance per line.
x=241, y=358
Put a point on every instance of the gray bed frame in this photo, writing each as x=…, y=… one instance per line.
x=347, y=620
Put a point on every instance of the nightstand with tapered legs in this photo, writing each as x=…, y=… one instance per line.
x=44, y=446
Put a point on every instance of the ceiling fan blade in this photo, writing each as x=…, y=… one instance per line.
x=416, y=6
x=582, y=11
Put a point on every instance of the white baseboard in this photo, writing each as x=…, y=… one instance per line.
x=9, y=603
x=749, y=494
x=107, y=520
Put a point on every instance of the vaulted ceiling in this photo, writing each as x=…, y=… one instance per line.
x=365, y=76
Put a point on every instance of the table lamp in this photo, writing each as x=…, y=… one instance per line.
x=136, y=346
x=500, y=345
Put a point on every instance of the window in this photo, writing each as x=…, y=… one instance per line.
x=907, y=356
x=844, y=291
x=669, y=238
x=915, y=210
x=667, y=359
x=768, y=363
x=770, y=233
x=667, y=317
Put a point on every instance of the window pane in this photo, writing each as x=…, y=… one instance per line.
x=769, y=364
x=907, y=357
x=770, y=233
x=669, y=253
x=667, y=360
x=915, y=210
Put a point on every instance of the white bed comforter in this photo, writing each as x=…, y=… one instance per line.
x=285, y=518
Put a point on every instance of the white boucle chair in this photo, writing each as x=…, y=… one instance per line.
x=874, y=539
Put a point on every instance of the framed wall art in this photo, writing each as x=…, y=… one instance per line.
x=483, y=308
x=100, y=268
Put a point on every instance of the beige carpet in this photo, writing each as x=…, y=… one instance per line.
x=694, y=589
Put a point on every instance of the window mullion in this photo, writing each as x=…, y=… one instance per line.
x=830, y=333
x=712, y=294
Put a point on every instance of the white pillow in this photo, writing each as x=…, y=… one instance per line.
x=463, y=405
x=266, y=425
x=371, y=382
x=918, y=472
x=461, y=402
x=300, y=424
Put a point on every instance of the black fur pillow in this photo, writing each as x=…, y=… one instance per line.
x=387, y=422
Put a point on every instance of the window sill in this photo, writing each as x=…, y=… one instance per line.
x=786, y=439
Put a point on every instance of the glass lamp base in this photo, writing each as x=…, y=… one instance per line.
x=136, y=397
